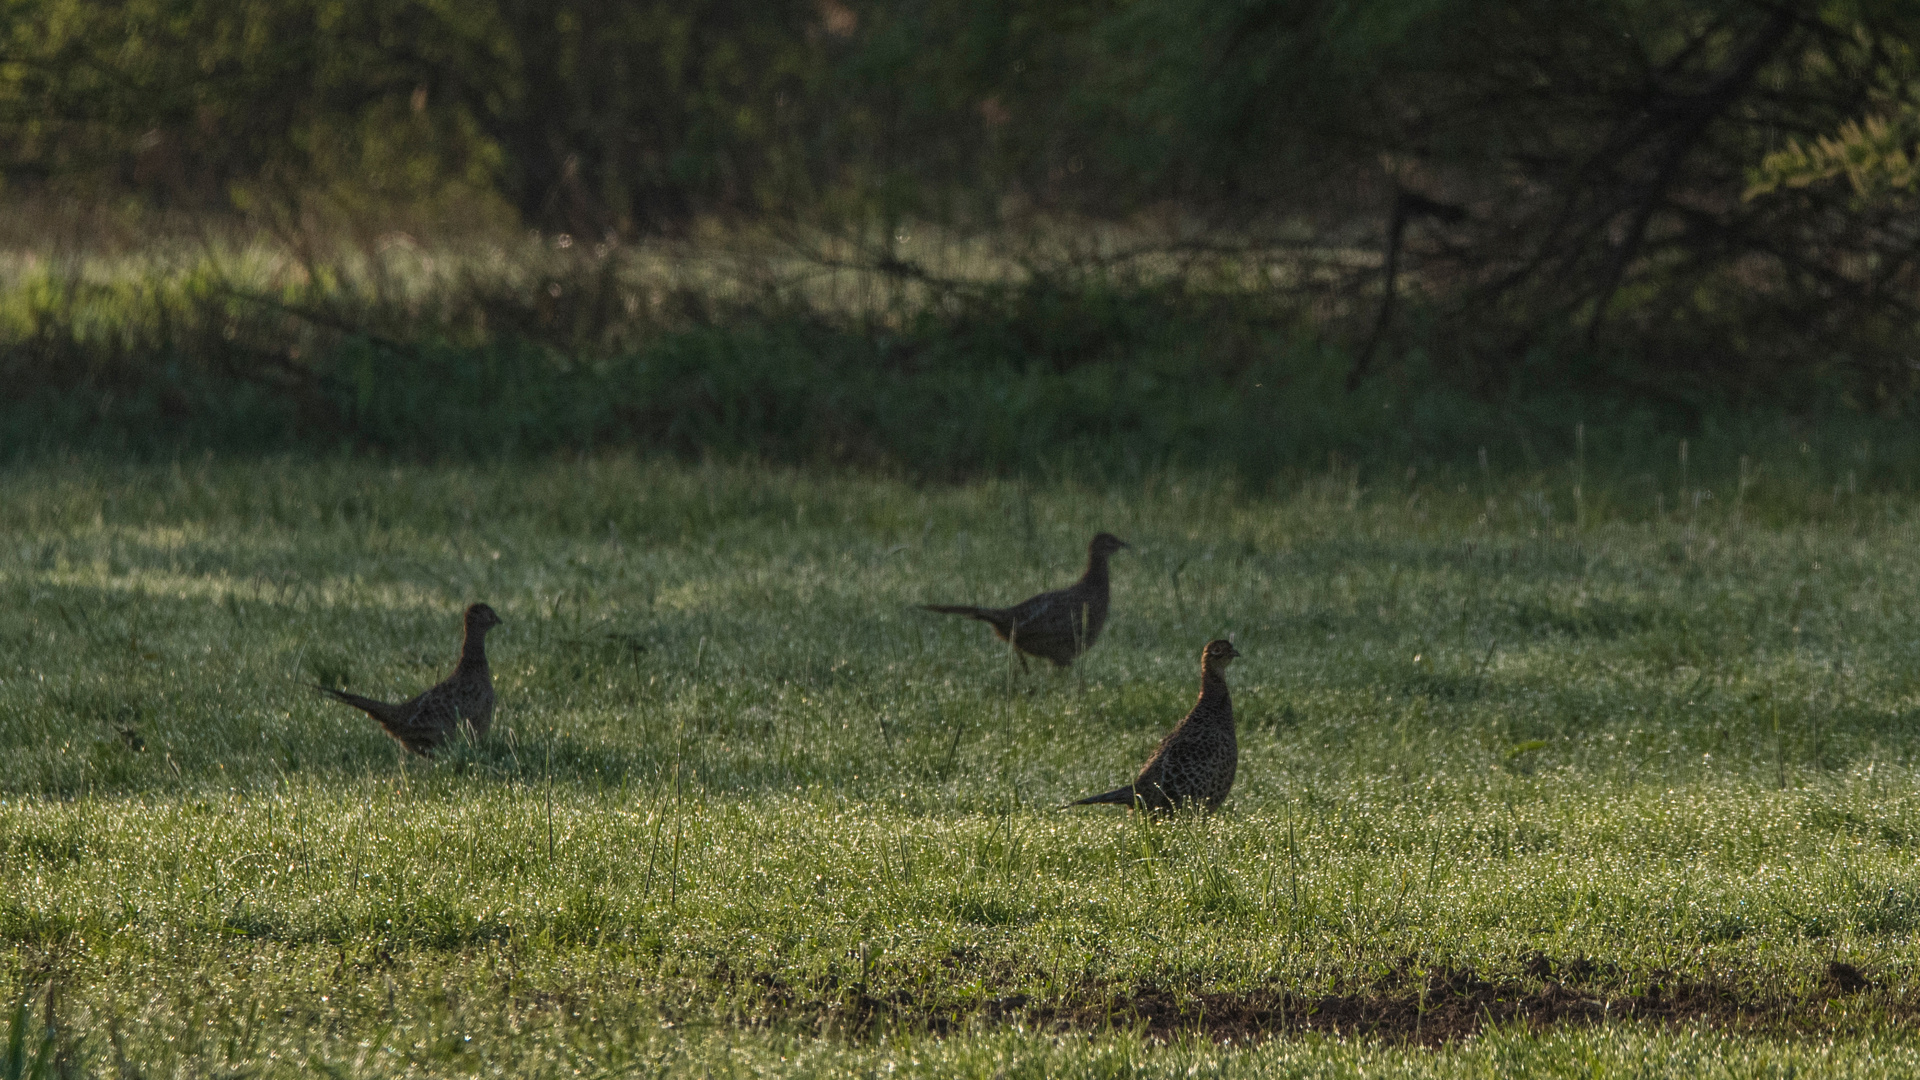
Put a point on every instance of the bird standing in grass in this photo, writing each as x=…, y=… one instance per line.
x=1058, y=625
x=424, y=723
x=1195, y=763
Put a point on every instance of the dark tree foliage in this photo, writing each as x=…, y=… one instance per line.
x=1602, y=155
x=1594, y=179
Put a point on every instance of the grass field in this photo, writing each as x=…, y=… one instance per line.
x=1528, y=786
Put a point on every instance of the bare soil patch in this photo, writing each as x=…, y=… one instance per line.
x=1430, y=1007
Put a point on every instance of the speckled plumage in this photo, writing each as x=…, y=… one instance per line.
x=1057, y=626
x=1194, y=765
x=424, y=723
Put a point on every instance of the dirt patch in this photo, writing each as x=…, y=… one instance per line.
x=1429, y=1007
x=1441, y=1005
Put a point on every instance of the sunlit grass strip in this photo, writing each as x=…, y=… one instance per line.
x=744, y=785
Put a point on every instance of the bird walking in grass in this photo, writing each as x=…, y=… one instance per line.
x=1057, y=625
x=1195, y=763
x=425, y=723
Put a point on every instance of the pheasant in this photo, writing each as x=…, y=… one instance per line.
x=424, y=723
x=1195, y=763
x=1058, y=625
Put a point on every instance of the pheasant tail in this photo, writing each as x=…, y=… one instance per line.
x=1120, y=796
x=957, y=609
x=379, y=710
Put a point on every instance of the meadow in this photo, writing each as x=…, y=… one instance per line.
x=1574, y=769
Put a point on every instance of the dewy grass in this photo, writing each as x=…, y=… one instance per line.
x=726, y=352
x=1644, y=783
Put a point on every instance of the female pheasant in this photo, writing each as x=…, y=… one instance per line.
x=1195, y=763
x=424, y=723
x=1058, y=625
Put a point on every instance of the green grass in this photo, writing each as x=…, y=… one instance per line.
x=744, y=352
x=750, y=812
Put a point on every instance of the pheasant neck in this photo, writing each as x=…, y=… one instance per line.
x=1213, y=684
x=1096, y=570
x=473, y=651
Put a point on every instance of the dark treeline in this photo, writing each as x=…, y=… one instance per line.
x=1686, y=199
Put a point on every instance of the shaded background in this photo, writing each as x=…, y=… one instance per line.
x=952, y=236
